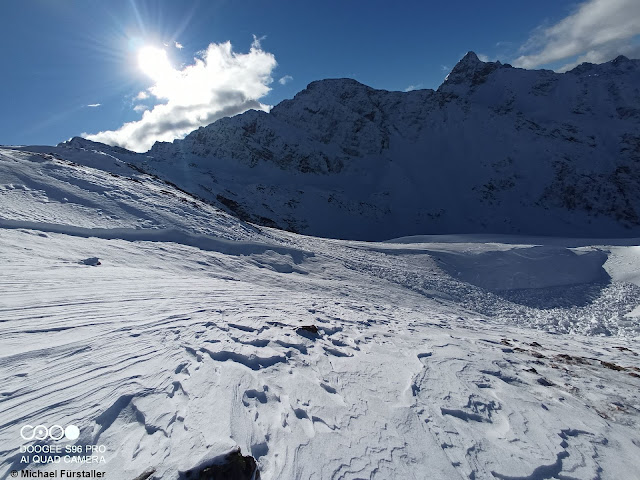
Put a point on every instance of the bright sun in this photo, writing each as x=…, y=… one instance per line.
x=154, y=62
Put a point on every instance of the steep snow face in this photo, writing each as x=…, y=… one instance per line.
x=495, y=149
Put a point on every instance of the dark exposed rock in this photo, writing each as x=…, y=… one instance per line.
x=146, y=474
x=233, y=466
x=242, y=214
x=308, y=330
x=471, y=70
x=544, y=382
x=91, y=261
x=625, y=349
x=612, y=366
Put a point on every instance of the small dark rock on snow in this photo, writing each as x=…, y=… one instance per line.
x=545, y=382
x=146, y=474
x=234, y=466
x=307, y=329
x=92, y=261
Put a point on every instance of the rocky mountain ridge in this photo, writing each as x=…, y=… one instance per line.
x=495, y=149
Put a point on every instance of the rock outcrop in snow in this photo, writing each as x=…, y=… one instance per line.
x=495, y=149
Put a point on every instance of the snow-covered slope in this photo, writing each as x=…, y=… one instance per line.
x=40, y=188
x=495, y=149
x=169, y=333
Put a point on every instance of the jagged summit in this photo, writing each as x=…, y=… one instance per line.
x=619, y=59
x=470, y=71
x=470, y=58
x=618, y=65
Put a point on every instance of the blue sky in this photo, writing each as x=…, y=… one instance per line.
x=60, y=56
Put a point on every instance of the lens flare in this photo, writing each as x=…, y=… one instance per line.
x=154, y=62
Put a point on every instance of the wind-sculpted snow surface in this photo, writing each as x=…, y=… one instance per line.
x=495, y=149
x=322, y=359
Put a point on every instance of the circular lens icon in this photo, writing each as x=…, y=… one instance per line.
x=56, y=432
x=71, y=432
x=41, y=432
x=24, y=434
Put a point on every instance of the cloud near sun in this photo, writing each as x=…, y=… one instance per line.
x=219, y=83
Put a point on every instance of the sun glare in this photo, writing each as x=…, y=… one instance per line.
x=154, y=62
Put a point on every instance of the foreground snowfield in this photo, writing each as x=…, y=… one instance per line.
x=445, y=357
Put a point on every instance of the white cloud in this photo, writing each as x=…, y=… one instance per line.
x=597, y=31
x=482, y=57
x=179, y=46
x=410, y=88
x=257, y=40
x=286, y=79
x=142, y=96
x=219, y=83
x=141, y=108
x=93, y=105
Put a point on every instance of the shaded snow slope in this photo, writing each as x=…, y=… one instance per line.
x=526, y=268
x=168, y=332
x=42, y=188
x=495, y=149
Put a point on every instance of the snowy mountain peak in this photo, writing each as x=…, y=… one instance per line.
x=619, y=59
x=78, y=142
x=624, y=64
x=470, y=71
x=325, y=91
x=84, y=144
x=334, y=85
x=471, y=58
x=618, y=65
